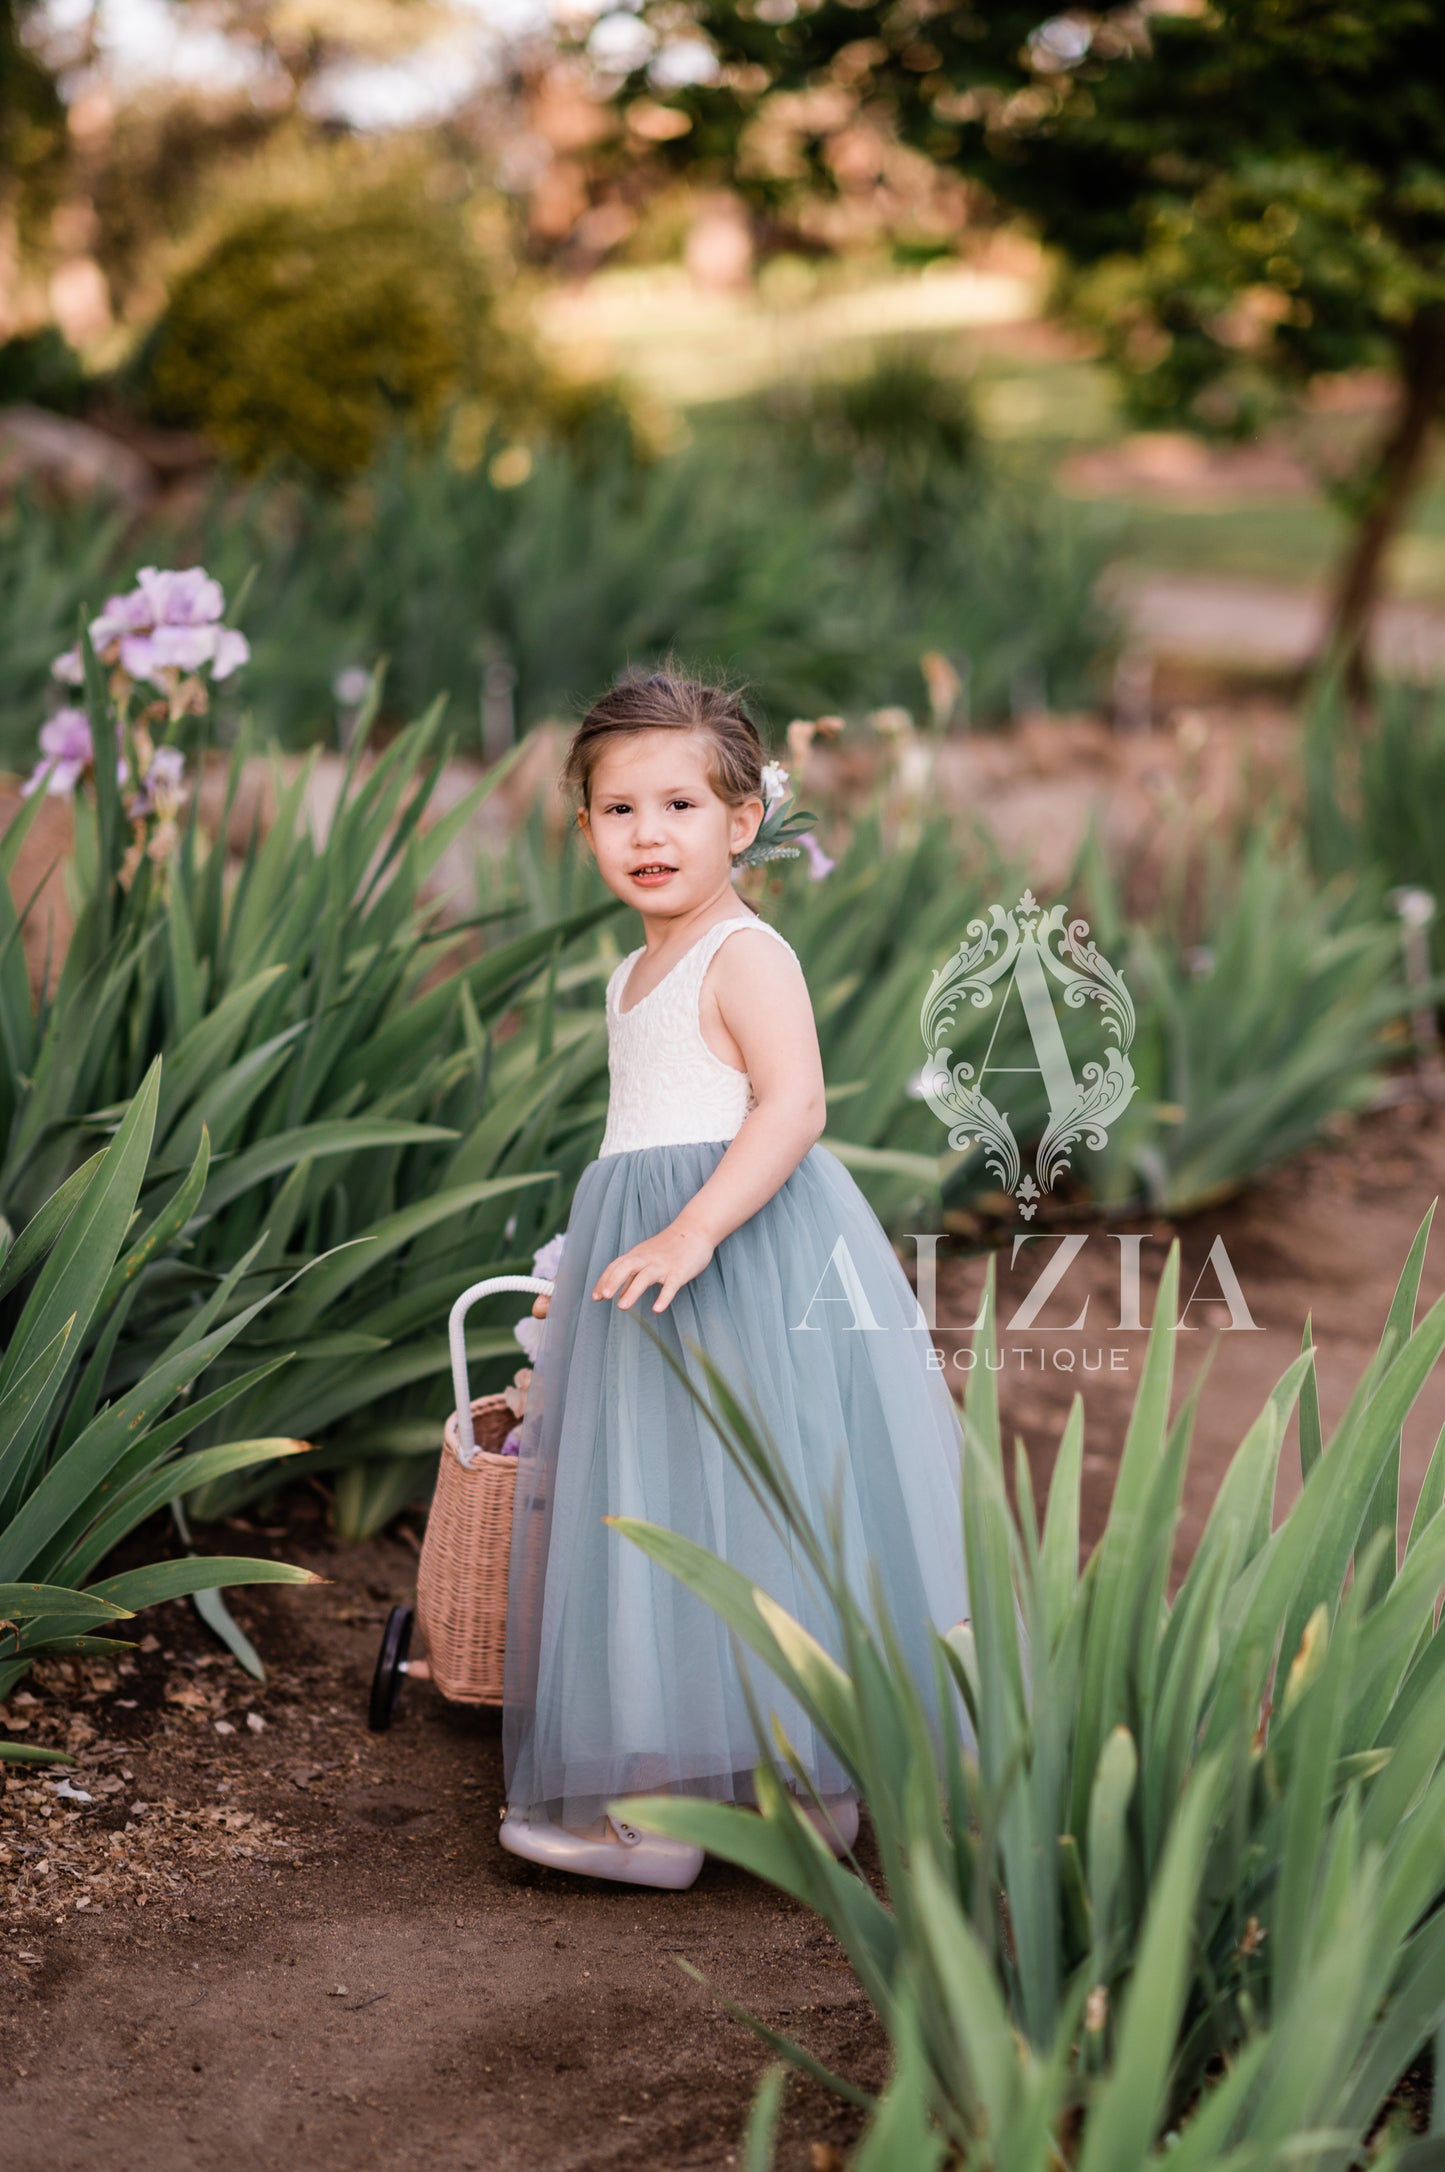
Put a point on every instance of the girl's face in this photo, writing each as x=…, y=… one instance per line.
x=664, y=840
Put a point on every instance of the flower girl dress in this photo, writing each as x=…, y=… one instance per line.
x=618, y=1679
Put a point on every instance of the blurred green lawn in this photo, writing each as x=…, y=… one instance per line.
x=1064, y=406
x=696, y=351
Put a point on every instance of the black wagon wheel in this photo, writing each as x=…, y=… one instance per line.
x=390, y=1667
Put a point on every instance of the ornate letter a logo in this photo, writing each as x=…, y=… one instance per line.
x=1015, y=945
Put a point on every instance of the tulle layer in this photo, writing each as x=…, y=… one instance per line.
x=619, y=1679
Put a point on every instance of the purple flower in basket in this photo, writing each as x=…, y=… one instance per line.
x=528, y=1332
x=512, y=1445
x=545, y=1263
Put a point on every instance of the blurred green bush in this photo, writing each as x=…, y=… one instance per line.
x=311, y=329
x=902, y=417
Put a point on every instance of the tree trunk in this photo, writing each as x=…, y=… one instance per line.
x=1397, y=472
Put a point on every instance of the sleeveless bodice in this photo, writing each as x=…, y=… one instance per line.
x=668, y=1088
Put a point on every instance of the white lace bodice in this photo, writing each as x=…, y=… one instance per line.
x=668, y=1087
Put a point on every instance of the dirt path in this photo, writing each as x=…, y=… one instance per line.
x=310, y=1940
x=379, y=1984
x=1251, y=625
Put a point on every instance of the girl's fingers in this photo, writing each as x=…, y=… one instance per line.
x=616, y=1280
x=634, y=1286
x=640, y=1279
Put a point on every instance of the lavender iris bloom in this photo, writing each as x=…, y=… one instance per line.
x=163, y=779
x=819, y=862
x=187, y=598
x=169, y=622
x=67, y=751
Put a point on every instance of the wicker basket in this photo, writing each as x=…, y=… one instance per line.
x=461, y=1581
x=461, y=1588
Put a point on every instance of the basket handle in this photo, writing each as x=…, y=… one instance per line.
x=456, y=1330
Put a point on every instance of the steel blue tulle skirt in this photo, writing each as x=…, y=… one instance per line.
x=618, y=1678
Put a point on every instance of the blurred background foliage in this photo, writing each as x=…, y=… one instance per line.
x=313, y=327
x=327, y=226
x=828, y=535
x=1242, y=199
x=308, y=330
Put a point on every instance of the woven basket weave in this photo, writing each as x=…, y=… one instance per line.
x=461, y=1585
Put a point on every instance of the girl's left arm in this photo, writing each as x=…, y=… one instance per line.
x=764, y=1002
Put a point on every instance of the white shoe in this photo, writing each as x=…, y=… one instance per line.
x=837, y=1821
x=634, y=1857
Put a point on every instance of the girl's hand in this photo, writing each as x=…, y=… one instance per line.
x=673, y=1257
x=540, y=1304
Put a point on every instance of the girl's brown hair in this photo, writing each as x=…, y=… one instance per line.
x=668, y=700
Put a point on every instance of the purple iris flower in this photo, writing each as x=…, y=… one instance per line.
x=169, y=622
x=528, y=1331
x=232, y=649
x=67, y=751
x=166, y=774
x=186, y=598
x=819, y=862
x=122, y=615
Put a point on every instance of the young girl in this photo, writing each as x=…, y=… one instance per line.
x=710, y=1187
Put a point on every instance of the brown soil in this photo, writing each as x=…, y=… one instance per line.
x=373, y=1981
x=344, y=1962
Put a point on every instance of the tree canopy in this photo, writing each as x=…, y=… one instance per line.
x=1245, y=194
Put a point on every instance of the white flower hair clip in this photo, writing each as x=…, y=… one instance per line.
x=778, y=827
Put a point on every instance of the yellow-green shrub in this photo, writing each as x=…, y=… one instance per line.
x=310, y=329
